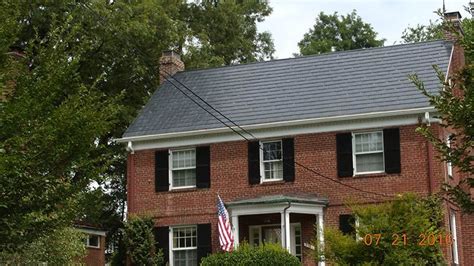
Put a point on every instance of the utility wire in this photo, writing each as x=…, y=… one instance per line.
x=235, y=124
x=255, y=138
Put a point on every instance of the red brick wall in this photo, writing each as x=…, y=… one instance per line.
x=96, y=256
x=318, y=151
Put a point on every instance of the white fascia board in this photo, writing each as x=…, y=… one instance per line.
x=279, y=132
x=449, y=64
x=92, y=231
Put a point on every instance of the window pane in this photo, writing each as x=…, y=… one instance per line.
x=272, y=151
x=93, y=240
x=184, y=237
x=369, y=162
x=183, y=178
x=273, y=170
x=185, y=257
x=369, y=142
x=184, y=158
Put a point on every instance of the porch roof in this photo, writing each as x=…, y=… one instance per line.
x=281, y=198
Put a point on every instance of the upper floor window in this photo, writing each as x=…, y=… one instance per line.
x=368, y=152
x=271, y=160
x=183, y=168
x=184, y=249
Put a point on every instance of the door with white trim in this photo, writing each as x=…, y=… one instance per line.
x=259, y=234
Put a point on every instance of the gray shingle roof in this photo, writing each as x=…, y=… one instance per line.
x=334, y=84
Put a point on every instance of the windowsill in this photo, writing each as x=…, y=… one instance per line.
x=379, y=174
x=94, y=247
x=272, y=182
x=184, y=189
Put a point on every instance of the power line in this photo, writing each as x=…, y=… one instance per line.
x=235, y=124
x=256, y=139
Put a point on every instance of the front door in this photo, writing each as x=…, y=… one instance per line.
x=259, y=234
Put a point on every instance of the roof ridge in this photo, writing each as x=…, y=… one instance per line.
x=313, y=55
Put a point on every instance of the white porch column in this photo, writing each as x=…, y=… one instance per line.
x=235, y=225
x=282, y=229
x=287, y=231
x=320, y=220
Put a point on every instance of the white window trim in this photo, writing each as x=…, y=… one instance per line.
x=262, y=167
x=92, y=246
x=449, y=165
x=170, y=244
x=354, y=162
x=453, y=230
x=170, y=168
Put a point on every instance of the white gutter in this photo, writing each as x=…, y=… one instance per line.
x=278, y=124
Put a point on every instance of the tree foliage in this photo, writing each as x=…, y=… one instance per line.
x=265, y=255
x=421, y=33
x=455, y=104
x=224, y=33
x=140, y=242
x=407, y=215
x=64, y=246
x=341, y=32
x=83, y=71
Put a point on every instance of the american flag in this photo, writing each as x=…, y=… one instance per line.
x=226, y=238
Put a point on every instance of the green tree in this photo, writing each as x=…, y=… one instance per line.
x=105, y=67
x=64, y=246
x=140, y=242
x=421, y=33
x=376, y=242
x=48, y=130
x=341, y=32
x=455, y=104
x=224, y=32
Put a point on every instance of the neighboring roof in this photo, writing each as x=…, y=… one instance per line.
x=327, y=85
x=302, y=198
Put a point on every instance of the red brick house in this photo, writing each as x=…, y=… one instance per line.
x=349, y=117
x=95, y=244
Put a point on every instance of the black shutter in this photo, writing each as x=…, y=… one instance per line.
x=203, y=167
x=204, y=241
x=391, y=144
x=347, y=224
x=162, y=241
x=288, y=160
x=161, y=171
x=254, y=162
x=344, y=154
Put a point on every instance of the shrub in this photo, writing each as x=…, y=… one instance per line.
x=63, y=246
x=140, y=242
x=269, y=254
x=407, y=215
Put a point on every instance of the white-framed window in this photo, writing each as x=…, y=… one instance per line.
x=452, y=225
x=92, y=241
x=184, y=245
x=182, y=168
x=271, y=160
x=368, y=155
x=449, y=165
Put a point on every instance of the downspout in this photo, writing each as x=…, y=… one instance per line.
x=284, y=220
x=130, y=148
x=429, y=155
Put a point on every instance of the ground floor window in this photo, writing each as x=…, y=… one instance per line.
x=259, y=234
x=184, y=249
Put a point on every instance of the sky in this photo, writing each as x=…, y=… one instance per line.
x=291, y=19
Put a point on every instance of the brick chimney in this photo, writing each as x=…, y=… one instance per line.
x=170, y=64
x=454, y=20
